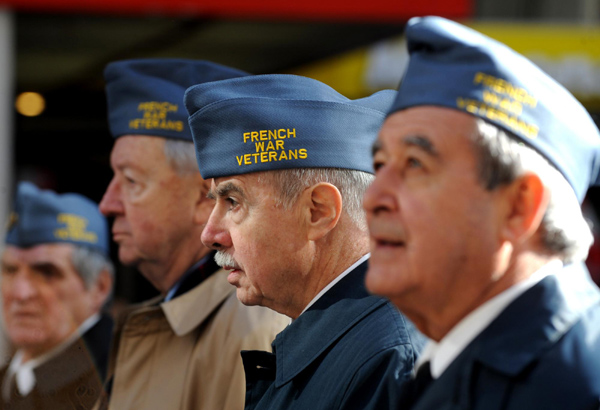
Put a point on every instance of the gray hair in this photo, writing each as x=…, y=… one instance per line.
x=503, y=158
x=181, y=155
x=352, y=186
x=89, y=263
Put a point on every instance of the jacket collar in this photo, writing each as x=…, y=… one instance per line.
x=535, y=320
x=188, y=311
x=72, y=364
x=315, y=330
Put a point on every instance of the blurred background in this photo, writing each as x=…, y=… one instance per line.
x=53, y=128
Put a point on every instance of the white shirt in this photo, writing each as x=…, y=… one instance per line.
x=441, y=354
x=336, y=280
x=23, y=372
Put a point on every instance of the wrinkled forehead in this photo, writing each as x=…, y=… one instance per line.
x=430, y=127
x=131, y=150
x=247, y=182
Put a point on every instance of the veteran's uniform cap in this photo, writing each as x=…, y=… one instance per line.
x=454, y=66
x=43, y=216
x=145, y=96
x=280, y=121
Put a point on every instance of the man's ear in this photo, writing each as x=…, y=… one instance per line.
x=204, y=205
x=526, y=203
x=325, y=208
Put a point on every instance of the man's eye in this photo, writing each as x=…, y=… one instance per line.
x=232, y=202
x=48, y=272
x=414, y=163
x=132, y=185
x=9, y=270
x=377, y=165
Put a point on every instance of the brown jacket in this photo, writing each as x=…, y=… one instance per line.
x=185, y=353
x=67, y=381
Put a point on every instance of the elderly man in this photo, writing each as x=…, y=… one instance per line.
x=56, y=276
x=287, y=155
x=182, y=350
x=476, y=230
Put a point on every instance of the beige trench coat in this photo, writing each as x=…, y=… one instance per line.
x=185, y=354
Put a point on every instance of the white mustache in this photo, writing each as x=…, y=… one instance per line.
x=225, y=259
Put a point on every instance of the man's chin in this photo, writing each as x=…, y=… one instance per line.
x=380, y=281
x=29, y=339
x=128, y=258
x=246, y=299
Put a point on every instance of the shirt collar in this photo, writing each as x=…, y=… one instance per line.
x=441, y=354
x=171, y=293
x=336, y=280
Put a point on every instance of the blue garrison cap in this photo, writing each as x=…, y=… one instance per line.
x=454, y=66
x=145, y=96
x=280, y=121
x=41, y=216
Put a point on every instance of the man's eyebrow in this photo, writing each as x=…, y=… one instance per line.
x=421, y=142
x=225, y=189
x=44, y=266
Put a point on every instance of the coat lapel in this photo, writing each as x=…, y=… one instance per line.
x=189, y=310
x=536, y=320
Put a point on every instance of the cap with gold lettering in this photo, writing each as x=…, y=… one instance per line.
x=281, y=121
x=43, y=216
x=454, y=66
x=145, y=96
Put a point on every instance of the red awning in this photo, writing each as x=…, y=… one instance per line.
x=335, y=10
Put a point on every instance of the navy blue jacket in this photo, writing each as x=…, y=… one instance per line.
x=97, y=339
x=542, y=352
x=349, y=350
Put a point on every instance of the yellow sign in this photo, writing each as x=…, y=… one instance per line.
x=269, y=145
x=155, y=116
x=75, y=229
x=502, y=102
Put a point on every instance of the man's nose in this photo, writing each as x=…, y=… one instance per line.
x=111, y=204
x=214, y=235
x=377, y=197
x=22, y=287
